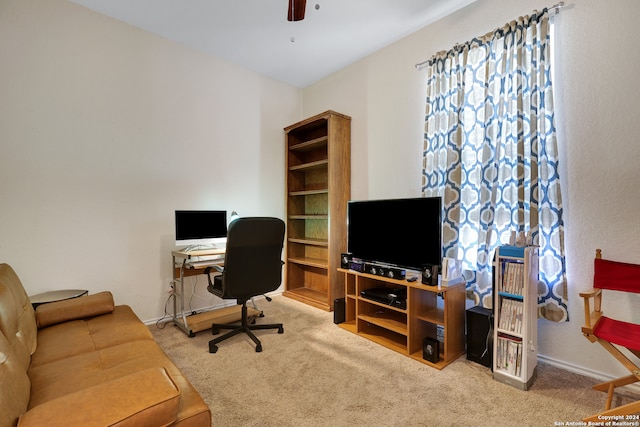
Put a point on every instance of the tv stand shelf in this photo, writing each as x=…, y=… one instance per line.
x=429, y=308
x=435, y=315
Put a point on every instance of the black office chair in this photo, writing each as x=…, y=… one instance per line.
x=252, y=266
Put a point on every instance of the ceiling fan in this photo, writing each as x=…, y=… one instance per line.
x=296, y=10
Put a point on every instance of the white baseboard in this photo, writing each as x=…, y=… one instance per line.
x=597, y=375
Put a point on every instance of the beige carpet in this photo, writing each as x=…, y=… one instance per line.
x=317, y=374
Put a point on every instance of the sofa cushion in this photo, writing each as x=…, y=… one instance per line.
x=87, y=335
x=83, y=371
x=17, y=319
x=73, y=309
x=145, y=398
x=79, y=372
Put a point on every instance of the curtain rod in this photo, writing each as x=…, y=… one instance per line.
x=555, y=8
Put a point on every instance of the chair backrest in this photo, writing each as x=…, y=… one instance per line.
x=614, y=275
x=253, y=259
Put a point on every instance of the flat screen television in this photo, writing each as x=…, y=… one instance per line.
x=406, y=233
x=201, y=228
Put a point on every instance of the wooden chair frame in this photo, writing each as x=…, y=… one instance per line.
x=591, y=318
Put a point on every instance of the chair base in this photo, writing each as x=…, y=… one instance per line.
x=609, y=387
x=236, y=329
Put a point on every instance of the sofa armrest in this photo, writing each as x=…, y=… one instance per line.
x=145, y=398
x=74, y=309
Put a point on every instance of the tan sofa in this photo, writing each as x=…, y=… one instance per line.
x=85, y=362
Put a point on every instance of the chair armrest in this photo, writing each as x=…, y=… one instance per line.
x=145, y=398
x=212, y=288
x=218, y=268
x=590, y=293
x=590, y=318
x=73, y=309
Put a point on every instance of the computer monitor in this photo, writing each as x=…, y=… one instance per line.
x=201, y=229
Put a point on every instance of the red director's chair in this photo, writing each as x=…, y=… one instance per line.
x=612, y=333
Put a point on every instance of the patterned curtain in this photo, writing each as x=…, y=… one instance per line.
x=490, y=151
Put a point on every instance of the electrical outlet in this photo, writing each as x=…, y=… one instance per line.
x=170, y=286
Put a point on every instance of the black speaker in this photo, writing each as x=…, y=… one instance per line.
x=339, y=308
x=345, y=259
x=385, y=271
x=431, y=350
x=480, y=336
x=430, y=274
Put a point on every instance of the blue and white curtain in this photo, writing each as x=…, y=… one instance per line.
x=490, y=151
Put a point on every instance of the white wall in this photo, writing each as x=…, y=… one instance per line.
x=597, y=101
x=105, y=130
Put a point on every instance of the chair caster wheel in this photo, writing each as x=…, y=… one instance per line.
x=281, y=330
x=213, y=348
x=258, y=348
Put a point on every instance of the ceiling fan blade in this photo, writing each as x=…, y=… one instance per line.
x=296, y=10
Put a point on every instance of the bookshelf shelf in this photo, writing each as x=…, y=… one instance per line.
x=309, y=241
x=516, y=316
x=308, y=192
x=310, y=145
x=318, y=164
x=512, y=296
x=312, y=262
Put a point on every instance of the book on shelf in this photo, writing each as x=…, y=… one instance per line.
x=511, y=315
x=513, y=278
x=519, y=317
x=509, y=354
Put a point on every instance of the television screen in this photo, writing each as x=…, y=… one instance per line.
x=200, y=227
x=403, y=232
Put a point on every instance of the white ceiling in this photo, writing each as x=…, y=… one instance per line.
x=257, y=35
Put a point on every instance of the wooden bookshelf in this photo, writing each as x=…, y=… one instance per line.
x=318, y=183
x=516, y=316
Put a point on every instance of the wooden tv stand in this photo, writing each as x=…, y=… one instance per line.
x=429, y=308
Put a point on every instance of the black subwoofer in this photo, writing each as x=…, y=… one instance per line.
x=480, y=336
x=339, y=308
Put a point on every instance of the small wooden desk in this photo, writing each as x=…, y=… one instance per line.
x=184, y=265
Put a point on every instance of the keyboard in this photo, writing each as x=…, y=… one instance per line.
x=205, y=262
